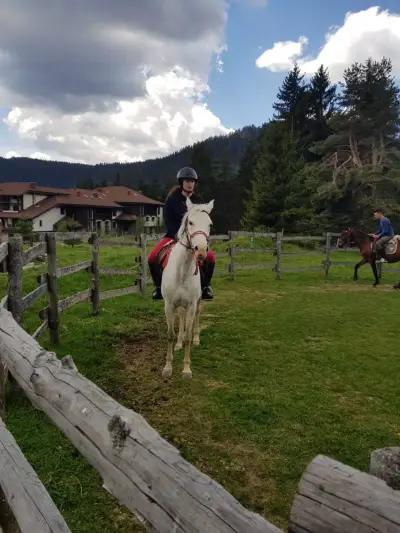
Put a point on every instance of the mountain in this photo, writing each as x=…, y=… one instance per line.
x=162, y=170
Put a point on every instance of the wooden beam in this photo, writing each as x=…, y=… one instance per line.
x=34, y=295
x=29, y=501
x=141, y=469
x=33, y=253
x=106, y=295
x=336, y=498
x=3, y=251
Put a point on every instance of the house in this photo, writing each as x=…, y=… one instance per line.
x=116, y=209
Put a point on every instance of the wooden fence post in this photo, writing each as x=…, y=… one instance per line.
x=52, y=312
x=231, y=253
x=278, y=251
x=15, y=277
x=95, y=291
x=327, y=262
x=143, y=264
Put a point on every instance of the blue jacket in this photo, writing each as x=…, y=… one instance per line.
x=174, y=211
x=385, y=228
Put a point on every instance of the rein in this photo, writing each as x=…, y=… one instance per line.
x=189, y=237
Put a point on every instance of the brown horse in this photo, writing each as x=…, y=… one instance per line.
x=356, y=237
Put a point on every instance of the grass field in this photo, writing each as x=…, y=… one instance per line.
x=286, y=370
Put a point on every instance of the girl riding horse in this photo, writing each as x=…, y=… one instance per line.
x=175, y=210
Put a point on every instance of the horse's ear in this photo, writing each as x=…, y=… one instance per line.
x=209, y=207
x=189, y=204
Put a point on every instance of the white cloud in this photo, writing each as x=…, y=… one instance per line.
x=368, y=33
x=170, y=115
x=119, y=81
x=40, y=155
x=282, y=55
x=11, y=153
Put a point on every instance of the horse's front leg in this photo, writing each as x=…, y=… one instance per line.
x=170, y=316
x=187, y=341
x=375, y=271
x=181, y=332
x=196, y=328
x=361, y=263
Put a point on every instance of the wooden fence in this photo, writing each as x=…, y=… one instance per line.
x=323, y=244
x=142, y=470
x=16, y=258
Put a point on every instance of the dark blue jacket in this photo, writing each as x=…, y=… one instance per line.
x=174, y=211
x=385, y=228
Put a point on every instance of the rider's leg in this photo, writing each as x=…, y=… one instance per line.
x=206, y=273
x=155, y=267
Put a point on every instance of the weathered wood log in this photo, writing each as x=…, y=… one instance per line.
x=31, y=504
x=43, y=326
x=385, y=464
x=117, y=271
x=95, y=291
x=34, y=295
x=138, y=467
x=3, y=384
x=3, y=251
x=143, y=264
x=112, y=293
x=73, y=299
x=33, y=253
x=67, y=270
x=52, y=316
x=335, y=498
x=14, y=259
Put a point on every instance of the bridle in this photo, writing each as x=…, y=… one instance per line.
x=189, y=237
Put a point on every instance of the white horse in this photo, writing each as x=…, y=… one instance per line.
x=180, y=286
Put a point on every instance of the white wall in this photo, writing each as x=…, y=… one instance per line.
x=48, y=220
x=31, y=199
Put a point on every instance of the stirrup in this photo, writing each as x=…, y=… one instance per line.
x=207, y=293
x=157, y=294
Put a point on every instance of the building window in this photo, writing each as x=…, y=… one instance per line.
x=40, y=223
x=62, y=210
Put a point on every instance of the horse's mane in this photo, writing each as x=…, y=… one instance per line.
x=357, y=232
x=182, y=227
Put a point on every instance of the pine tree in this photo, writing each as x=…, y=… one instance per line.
x=322, y=101
x=275, y=168
x=291, y=105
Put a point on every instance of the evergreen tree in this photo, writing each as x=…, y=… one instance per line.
x=275, y=167
x=291, y=105
x=322, y=100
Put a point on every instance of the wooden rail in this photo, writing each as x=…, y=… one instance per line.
x=29, y=501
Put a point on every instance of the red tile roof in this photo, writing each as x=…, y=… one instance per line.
x=20, y=188
x=104, y=197
x=122, y=194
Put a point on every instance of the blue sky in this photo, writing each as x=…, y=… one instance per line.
x=129, y=80
x=243, y=94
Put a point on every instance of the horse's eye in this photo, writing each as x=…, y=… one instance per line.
x=190, y=223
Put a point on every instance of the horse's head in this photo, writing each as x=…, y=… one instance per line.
x=195, y=228
x=346, y=239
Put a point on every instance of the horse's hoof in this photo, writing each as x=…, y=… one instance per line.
x=396, y=286
x=187, y=374
x=196, y=341
x=167, y=372
x=178, y=346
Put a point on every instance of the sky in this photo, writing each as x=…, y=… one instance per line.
x=100, y=81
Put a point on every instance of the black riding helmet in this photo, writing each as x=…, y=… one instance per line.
x=187, y=173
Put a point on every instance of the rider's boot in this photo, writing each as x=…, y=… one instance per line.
x=156, y=274
x=206, y=272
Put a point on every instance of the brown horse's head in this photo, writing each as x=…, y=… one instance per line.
x=346, y=238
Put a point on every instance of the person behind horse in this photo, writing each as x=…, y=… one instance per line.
x=175, y=209
x=384, y=234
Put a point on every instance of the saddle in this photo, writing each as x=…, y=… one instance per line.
x=392, y=245
x=164, y=253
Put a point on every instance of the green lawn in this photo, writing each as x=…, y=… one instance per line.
x=286, y=370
